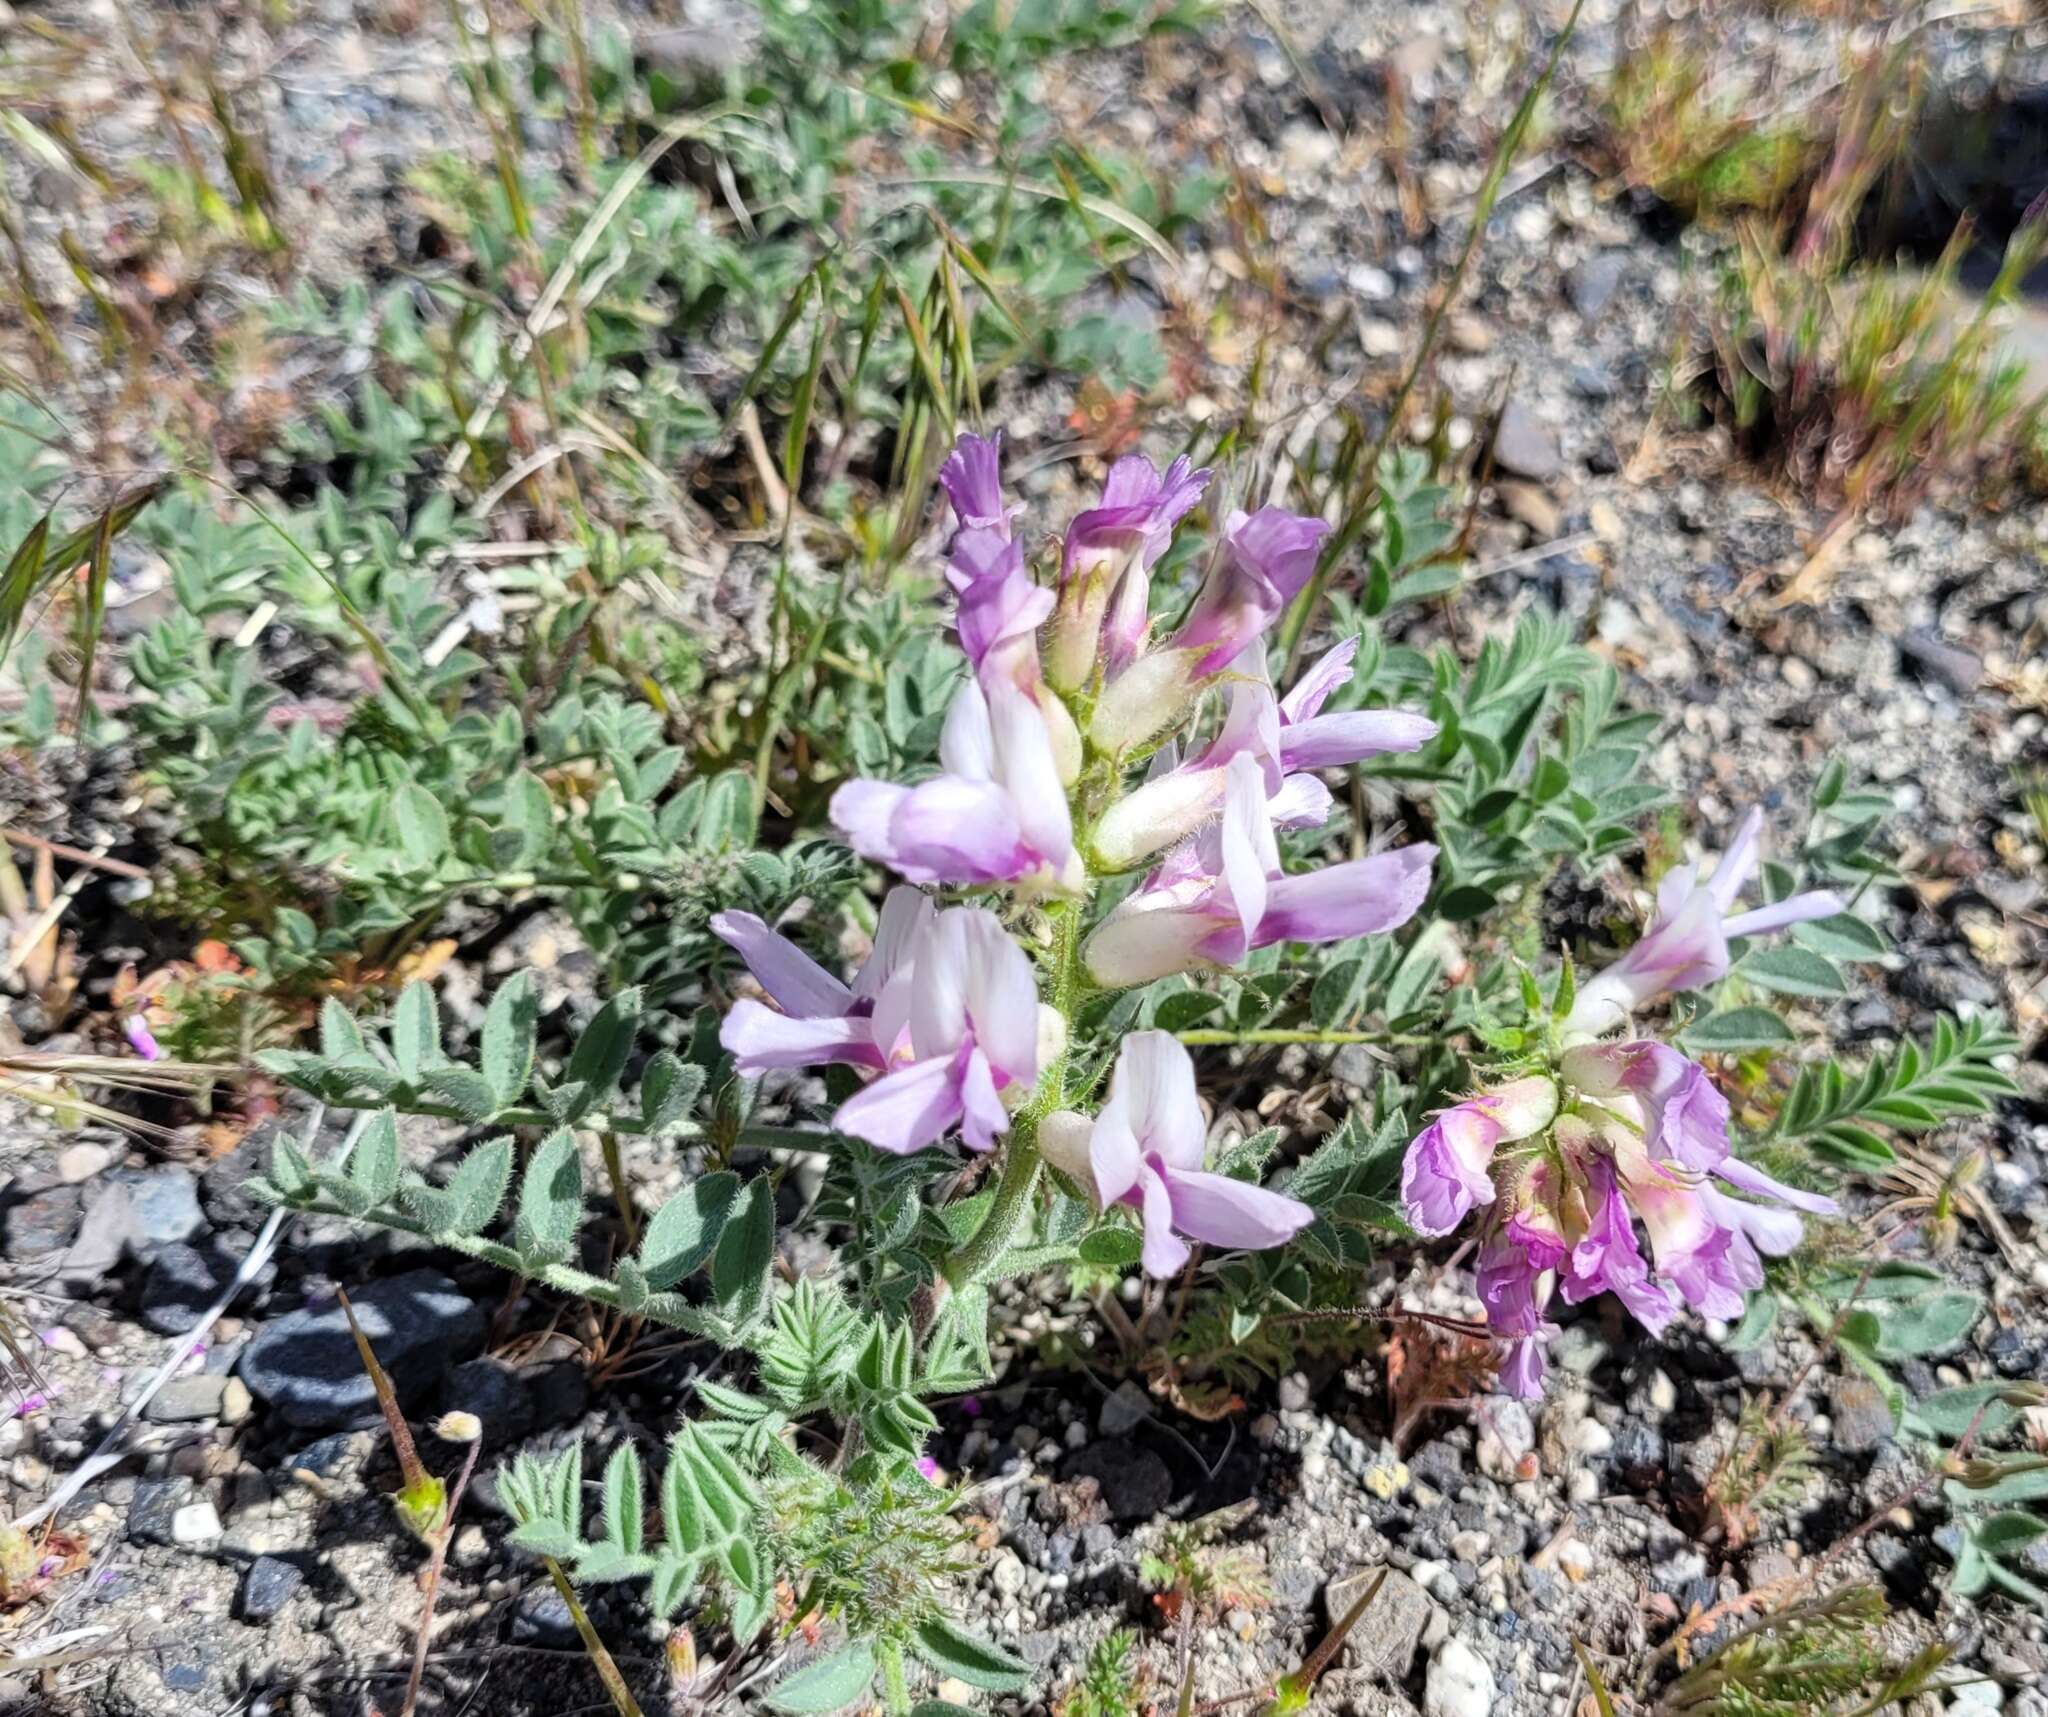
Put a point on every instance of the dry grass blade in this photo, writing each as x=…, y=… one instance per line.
x=600, y=1659
x=1100, y=207
x=91, y=619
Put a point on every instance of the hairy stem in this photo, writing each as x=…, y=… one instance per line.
x=1012, y=1204
x=895, y=1689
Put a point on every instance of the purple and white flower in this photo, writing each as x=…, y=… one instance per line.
x=1146, y=1149
x=1108, y=558
x=1223, y=894
x=998, y=813
x=820, y=1020
x=1448, y=1170
x=958, y=1030
x=1686, y=945
x=1286, y=738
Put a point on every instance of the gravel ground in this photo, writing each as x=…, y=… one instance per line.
x=247, y=1561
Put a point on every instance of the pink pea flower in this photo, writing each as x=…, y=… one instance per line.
x=1224, y=894
x=997, y=814
x=959, y=1029
x=1146, y=1149
x=1448, y=1170
x=136, y=1029
x=821, y=1019
x=1312, y=740
x=1686, y=945
x=1286, y=737
x=1514, y=1282
x=1267, y=557
x=1110, y=552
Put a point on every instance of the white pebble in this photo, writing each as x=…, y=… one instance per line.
x=195, y=1523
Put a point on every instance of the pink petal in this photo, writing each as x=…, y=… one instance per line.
x=1164, y=1251
x=906, y=1110
x=759, y=1038
x=1154, y=1090
x=1365, y=897
x=1329, y=671
x=1327, y=741
x=1220, y=1211
x=798, y=983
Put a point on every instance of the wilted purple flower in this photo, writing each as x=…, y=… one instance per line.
x=1686, y=945
x=1647, y=1141
x=997, y=814
x=1224, y=894
x=1146, y=1149
x=1267, y=557
x=1109, y=554
x=821, y=1020
x=1448, y=1168
x=1514, y=1278
x=958, y=1030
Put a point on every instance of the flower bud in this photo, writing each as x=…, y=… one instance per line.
x=458, y=1427
x=1145, y=700
x=1076, y=641
x=1063, y=1142
x=1158, y=814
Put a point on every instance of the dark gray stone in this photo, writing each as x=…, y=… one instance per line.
x=541, y=1618
x=270, y=1584
x=1387, y=1634
x=329, y=1457
x=187, y=1400
x=496, y=1394
x=155, y=1504
x=224, y=1186
x=1934, y=658
x=183, y=1281
x=305, y=1365
x=41, y=1221
x=1594, y=282
x=1135, y=1482
x=163, y=1206
x=1525, y=445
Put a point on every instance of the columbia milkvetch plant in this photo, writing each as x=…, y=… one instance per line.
x=1595, y=1132
x=960, y=1026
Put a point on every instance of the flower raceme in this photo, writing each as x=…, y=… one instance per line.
x=944, y=1021
x=1146, y=1150
x=1567, y=1163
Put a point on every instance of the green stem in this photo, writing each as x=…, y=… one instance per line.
x=1012, y=1203
x=600, y=1660
x=754, y=1138
x=895, y=1689
x=671, y=1310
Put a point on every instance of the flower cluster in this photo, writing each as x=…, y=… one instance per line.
x=1068, y=692
x=1566, y=1159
